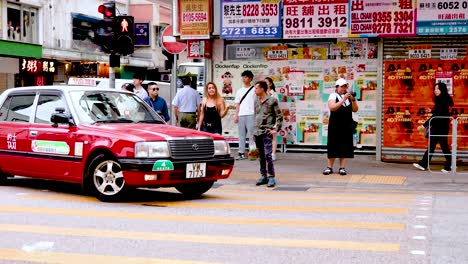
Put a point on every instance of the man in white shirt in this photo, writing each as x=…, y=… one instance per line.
x=245, y=112
x=139, y=90
x=186, y=105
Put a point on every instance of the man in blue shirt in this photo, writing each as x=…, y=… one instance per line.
x=156, y=102
x=186, y=105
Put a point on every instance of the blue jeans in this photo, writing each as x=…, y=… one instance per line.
x=264, y=146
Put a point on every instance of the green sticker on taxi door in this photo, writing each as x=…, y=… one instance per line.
x=163, y=165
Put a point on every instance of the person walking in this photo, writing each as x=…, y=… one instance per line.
x=244, y=117
x=341, y=127
x=272, y=92
x=268, y=120
x=186, y=105
x=157, y=102
x=438, y=125
x=139, y=90
x=213, y=108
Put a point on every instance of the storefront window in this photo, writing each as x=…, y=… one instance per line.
x=22, y=23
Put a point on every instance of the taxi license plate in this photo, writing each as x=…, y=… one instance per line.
x=195, y=170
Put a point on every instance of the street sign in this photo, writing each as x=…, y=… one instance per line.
x=170, y=43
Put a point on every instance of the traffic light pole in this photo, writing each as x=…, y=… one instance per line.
x=111, y=77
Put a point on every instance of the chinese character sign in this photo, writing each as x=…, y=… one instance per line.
x=250, y=19
x=441, y=17
x=315, y=19
x=36, y=66
x=372, y=18
x=195, y=19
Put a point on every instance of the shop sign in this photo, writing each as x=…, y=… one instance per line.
x=441, y=17
x=276, y=53
x=315, y=19
x=194, y=19
x=447, y=78
x=142, y=34
x=448, y=54
x=198, y=49
x=250, y=19
x=245, y=53
x=420, y=52
x=37, y=66
x=377, y=18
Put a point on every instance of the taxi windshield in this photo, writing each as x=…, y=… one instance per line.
x=112, y=107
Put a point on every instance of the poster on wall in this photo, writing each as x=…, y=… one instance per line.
x=195, y=19
x=315, y=19
x=441, y=17
x=250, y=19
x=408, y=93
x=377, y=18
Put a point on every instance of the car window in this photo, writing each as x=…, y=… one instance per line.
x=111, y=107
x=19, y=108
x=46, y=106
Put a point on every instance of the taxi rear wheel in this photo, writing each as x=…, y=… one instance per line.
x=105, y=179
x=194, y=189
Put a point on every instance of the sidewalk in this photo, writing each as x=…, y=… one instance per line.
x=304, y=170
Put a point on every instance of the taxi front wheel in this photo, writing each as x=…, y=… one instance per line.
x=105, y=179
x=194, y=189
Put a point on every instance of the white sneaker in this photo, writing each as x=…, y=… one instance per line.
x=416, y=165
x=445, y=171
x=273, y=157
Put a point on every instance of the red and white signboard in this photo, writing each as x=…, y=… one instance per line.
x=170, y=43
x=315, y=19
x=372, y=18
x=198, y=49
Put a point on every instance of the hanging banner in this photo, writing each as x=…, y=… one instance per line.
x=377, y=18
x=195, y=19
x=441, y=17
x=315, y=19
x=250, y=19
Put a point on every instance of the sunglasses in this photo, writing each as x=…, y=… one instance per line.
x=155, y=89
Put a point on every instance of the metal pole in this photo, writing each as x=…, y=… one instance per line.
x=173, y=88
x=454, y=148
x=111, y=77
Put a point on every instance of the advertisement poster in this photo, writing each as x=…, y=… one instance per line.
x=250, y=19
x=408, y=93
x=377, y=18
x=441, y=17
x=195, y=19
x=303, y=88
x=315, y=19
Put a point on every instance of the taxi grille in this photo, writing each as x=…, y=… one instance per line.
x=192, y=149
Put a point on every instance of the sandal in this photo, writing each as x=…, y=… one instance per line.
x=327, y=171
x=342, y=171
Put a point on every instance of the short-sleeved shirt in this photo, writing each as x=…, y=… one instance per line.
x=141, y=93
x=159, y=105
x=334, y=96
x=247, y=106
x=187, y=100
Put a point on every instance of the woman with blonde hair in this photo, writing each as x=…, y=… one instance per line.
x=213, y=108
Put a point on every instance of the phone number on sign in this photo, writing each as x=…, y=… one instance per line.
x=195, y=17
x=250, y=31
x=398, y=28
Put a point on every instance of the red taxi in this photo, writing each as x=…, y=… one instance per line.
x=105, y=139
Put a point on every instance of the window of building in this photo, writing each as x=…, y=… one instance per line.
x=22, y=23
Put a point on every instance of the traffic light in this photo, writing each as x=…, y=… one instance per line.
x=105, y=28
x=124, y=37
x=107, y=10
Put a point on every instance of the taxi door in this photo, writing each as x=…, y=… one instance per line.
x=15, y=114
x=53, y=148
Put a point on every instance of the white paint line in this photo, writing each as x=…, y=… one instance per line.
x=422, y=216
x=419, y=226
x=426, y=200
x=423, y=208
x=38, y=246
x=418, y=252
x=424, y=203
x=419, y=238
x=22, y=194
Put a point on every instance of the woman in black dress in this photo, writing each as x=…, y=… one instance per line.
x=340, y=127
x=439, y=127
x=213, y=108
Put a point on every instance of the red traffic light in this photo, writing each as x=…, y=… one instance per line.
x=107, y=10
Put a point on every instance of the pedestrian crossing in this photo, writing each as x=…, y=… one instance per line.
x=230, y=224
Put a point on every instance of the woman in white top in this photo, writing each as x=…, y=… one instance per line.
x=272, y=92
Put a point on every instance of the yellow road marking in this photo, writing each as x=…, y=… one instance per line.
x=220, y=240
x=204, y=219
x=74, y=258
x=232, y=197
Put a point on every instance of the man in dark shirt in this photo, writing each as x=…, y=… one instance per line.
x=156, y=102
x=268, y=120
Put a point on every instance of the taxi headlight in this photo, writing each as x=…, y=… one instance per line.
x=152, y=150
x=221, y=147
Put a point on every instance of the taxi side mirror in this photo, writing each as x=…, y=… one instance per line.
x=61, y=118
